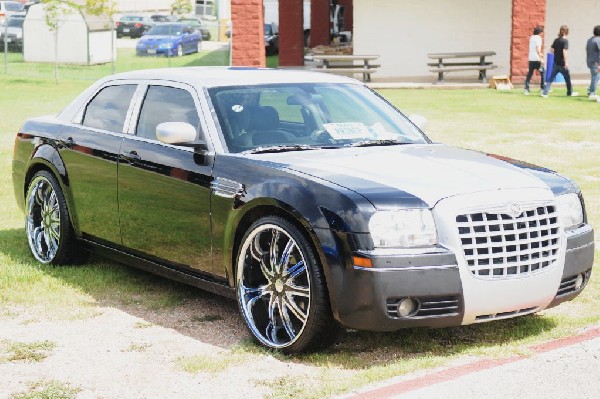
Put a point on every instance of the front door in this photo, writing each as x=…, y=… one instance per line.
x=164, y=190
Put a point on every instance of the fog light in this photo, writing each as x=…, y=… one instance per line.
x=406, y=307
x=579, y=281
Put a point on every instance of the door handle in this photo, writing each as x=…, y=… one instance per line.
x=131, y=156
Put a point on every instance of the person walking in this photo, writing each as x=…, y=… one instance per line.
x=536, y=58
x=592, y=50
x=560, y=49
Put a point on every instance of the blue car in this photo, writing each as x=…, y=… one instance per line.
x=170, y=39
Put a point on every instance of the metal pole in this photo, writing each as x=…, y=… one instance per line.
x=5, y=46
x=169, y=50
x=112, y=47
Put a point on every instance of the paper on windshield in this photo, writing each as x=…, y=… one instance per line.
x=348, y=130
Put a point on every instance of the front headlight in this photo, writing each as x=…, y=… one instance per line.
x=403, y=228
x=569, y=210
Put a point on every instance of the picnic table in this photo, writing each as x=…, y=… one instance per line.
x=344, y=63
x=446, y=62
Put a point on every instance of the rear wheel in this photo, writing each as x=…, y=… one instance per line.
x=281, y=289
x=49, y=231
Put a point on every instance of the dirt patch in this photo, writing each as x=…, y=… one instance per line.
x=137, y=354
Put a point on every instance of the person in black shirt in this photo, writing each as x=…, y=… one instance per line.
x=559, y=48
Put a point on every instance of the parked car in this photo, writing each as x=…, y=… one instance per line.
x=7, y=8
x=13, y=30
x=271, y=39
x=163, y=18
x=198, y=25
x=172, y=39
x=133, y=26
x=306, y=196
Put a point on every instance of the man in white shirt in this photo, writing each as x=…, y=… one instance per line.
x=536, y=58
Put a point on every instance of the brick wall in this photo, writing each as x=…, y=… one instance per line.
x=291, y=33
x=319, y=23
x=248, y=43
x=526, y=15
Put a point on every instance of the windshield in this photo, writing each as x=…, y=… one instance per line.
x=132, y=19
x=193, y=22
x=268, y=30
x=313, y=115
x=12, y=6
x=166, y=29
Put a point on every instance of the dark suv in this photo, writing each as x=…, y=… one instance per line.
x=133, y=25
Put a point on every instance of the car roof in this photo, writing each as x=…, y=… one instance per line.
x=232, y=76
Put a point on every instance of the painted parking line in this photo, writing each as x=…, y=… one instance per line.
x=453, y=373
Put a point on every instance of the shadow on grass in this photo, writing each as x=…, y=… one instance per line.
x=156, y=300
x=215, y=320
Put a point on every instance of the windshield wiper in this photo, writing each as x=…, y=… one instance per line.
x=369, y=143
x=279, y=148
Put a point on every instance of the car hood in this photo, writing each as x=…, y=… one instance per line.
x=430, y=172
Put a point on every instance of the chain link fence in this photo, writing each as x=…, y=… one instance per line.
x=90, y=49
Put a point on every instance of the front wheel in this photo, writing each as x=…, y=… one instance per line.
x=179, y=50
x=281, y=289
x=48, y=226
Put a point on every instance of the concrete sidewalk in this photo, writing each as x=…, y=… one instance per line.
x=563, y=368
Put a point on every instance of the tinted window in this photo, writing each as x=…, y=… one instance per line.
x=109, y=108
x=16, y=22
x=166, y=104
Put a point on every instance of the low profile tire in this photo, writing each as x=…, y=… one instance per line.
x=48, y=226
x=179, y=50
x=281, y=288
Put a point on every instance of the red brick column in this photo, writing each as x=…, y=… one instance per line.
x=248, y=33
x=291, y=34
x=526, y=15
x=319, y=23
x=348, y=14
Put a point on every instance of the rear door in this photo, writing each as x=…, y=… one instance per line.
x=164, y=190
x=89, y=148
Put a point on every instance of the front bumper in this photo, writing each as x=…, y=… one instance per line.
x=369, y=297
x=156, y=51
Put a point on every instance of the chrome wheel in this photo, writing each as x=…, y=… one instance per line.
x=273, y=285
x=43, y=220
x=179, y=50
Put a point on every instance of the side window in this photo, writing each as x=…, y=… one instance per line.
x=108, y=108
x=166, y=104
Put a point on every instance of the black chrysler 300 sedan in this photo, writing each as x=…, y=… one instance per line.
x=306, y=196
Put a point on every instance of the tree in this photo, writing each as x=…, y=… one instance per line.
x=56, y=13
x=180, y=7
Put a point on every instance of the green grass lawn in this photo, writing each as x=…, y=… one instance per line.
x=126, y=61
x=560, y=133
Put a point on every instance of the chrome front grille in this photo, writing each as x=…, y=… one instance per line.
x=498, y=245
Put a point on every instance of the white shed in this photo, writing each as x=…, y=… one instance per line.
x=82, y=38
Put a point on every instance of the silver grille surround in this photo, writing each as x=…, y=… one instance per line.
x=497, y=245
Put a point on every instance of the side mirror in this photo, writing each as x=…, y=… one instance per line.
x=179, y=133
x=419, y=120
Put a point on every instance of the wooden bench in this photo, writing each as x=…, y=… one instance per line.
x=333, y=63
x=481, y=65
